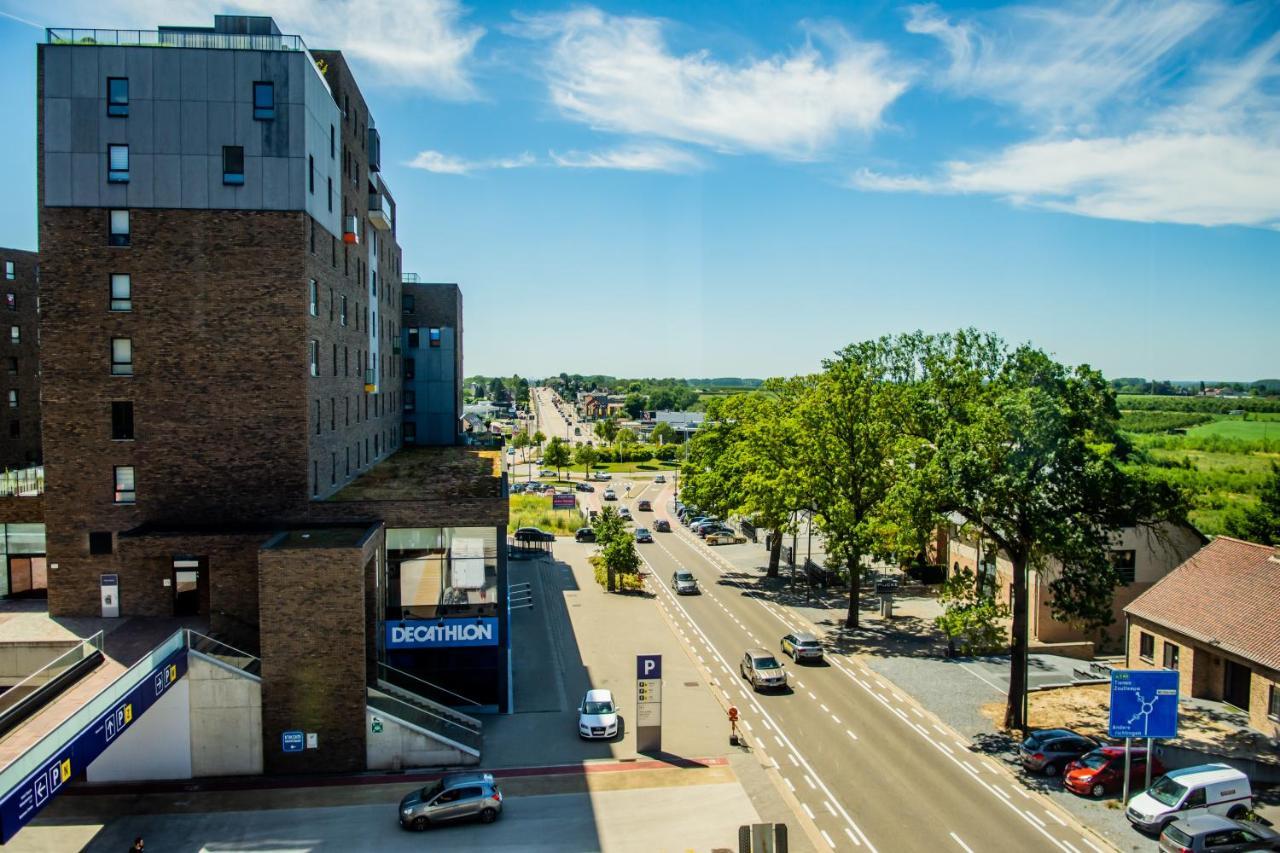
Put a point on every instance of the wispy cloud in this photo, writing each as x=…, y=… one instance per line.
x=1061, y=63
x=418, y=44
x=1203, y=150
x=618, y=74
x=633, y=158
x=448, y=164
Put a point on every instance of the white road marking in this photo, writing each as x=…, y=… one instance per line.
x=835, y=719
x=830, y=807
x=1031, y=815
x=811, y=696
x=1067, y=844
x=824, y=708
x=964, y=846
x=808, y=811
x=790, y=784
x=1055, y=817
x=1091, y=844
x=780, y=743
x=746, y=725
x=793, y=758
x=857, y=843
x=850, y=734
x=827, y=838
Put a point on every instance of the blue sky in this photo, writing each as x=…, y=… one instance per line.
x=741, y=189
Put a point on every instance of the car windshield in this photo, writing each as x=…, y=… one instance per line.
x=684, y=576
x=1094, y=761
x=431, y=790
x=1177, y=836
x=1166, y=791
x=597, y=708
x=766, y=663
x=807, y=644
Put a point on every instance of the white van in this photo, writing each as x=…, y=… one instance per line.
x=1203, y=789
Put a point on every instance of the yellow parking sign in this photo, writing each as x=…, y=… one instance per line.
x=64, y=770
x=128, y=714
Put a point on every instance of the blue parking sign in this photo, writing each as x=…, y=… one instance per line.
x=648, y=666
x=291, y=741
x=1144, y=703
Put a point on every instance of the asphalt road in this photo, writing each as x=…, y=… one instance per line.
x=874, y=770
x=549, y=419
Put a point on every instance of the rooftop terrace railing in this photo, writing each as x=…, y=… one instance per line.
x=173, y=38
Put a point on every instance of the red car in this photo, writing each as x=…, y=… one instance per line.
x=1102, y=771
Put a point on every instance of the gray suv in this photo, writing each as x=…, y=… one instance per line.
x=457, y=796
x=762, y=669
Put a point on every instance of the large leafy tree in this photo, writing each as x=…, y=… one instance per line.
x=606, y=430
x=1027, y=451
x=855, y=444
x=663, y=433
x=1260, y=523
x=556, y=455
x=587, y=457
x=617, y=546
x=744, y=461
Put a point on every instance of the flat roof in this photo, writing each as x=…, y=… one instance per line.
x=320, y=537
x=428, y=474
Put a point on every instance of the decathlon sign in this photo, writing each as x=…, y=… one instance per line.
x=440, y=633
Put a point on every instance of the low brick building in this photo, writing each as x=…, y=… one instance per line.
x=1216, y=620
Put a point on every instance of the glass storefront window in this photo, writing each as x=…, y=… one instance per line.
x=434, y=572
x=24, y=538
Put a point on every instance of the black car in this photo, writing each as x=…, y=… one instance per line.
x=585, y=487
x=584, y=534
x=1050, y=750
x=661, y=525
x=534, y=534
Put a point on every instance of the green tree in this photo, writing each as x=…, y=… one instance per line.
x=663, y=433
x=587, y=457
x=520, y=441
x=606, y=430
x=617, y=546
x=854, y=445
x=556, y=455
x=970, y=616
x=634, y=406
x=497, y=390
x=1260, y=523
x=1027, y=451
x=539, y=438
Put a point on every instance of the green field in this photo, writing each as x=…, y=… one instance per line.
x=1221, y=465
x=536, y=511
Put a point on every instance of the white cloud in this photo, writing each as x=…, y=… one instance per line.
x=634, y=158
x=1200, y=179
x=618, y=74
x=448, y=164
x=1060, y=63
x=417, y=44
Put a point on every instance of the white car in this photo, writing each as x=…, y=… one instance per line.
x=598, y=716
x=609, y=495
x=659, y=479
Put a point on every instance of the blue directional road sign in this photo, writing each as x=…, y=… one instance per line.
x=648, y=666
x=1144, y=703
x=291, y=741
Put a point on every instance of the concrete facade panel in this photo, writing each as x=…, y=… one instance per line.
x=248, y=132
x=133, y=755
x=112, y=62
x=222, y=75
x=222, y=127
x=140, y=191
x=57, y=179
x=248, y=70
x=195, y=127
x=57, y=124
x=167, y=127
x=167, y=73
x=195, y=181
x=86, y=135
x=167, y=180
x=84, y=72
x=226, y=721
x=87, y=174
x=57, y=71
x=139, y=128
x=195, y=74
x=275, y=183
x=139, y=70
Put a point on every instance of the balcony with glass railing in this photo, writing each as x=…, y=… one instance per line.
x=166, y=37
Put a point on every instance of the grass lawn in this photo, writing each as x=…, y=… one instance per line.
x=1235, y=427
x=632, y=467
x=536, y=511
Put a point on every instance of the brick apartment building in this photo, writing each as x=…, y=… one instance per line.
x=20, y=417
x=432, y=342
x=221, y=327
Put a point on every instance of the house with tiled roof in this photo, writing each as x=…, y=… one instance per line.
x=1216, y=619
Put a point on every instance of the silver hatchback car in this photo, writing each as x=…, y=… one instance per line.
x=456, y=796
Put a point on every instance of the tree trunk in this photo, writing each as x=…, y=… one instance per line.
x=775, y=551
x=1013, y=716
x=613, y=581
x=855, y=583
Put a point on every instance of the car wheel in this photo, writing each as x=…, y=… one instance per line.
x=420, y=823
x=1237, y=813
x=1050, y=769
x=488, y=815
x=1098, y=791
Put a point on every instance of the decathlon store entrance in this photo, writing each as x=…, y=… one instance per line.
x=444, y=612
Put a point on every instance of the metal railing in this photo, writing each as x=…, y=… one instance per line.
x=47, y=746
x=224, y=654
x=24, y=698
x=466, y=739
x=173, y=38
x=22, y=482
x=431, y=692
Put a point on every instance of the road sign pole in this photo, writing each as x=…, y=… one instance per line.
x=1128, y=750
x=1149, y=759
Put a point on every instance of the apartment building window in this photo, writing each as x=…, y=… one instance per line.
x=121, y=292
x=118, y=164
x=333, y=414
x=100, y=542
x=311, y=174
x=342, y=313
x=125, y=491
x=335, y=359
x=333, y=241
x=410, y=400
x=313, y=293
x=433, y=337
x=13, y=398
x=11, y=301
x=15, y=335
x=317, y=417
x=8, y=271
x=233, y=165
x=121, y=356
x=346, y=361
x=406, y=300
x=1146, y=646
x=408, y=368
x=373, y=325
x=332, y=137
x=122, y=420
x=315, y=478
x=410, y=432
x=1170, y=655
x=333, y=467
x=1125, y=563
x=117, y=96
x=374, y=279
x=347, y=471
x=15, y=429
x=315, y=358
x=264, y=101
x=1273, y=702
x=13, y=366
x=118, y=228
x=346, y=405
x=331, y=198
